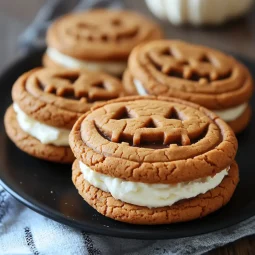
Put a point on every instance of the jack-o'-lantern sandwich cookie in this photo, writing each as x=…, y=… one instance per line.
x=47, y=103
x=195, y=73
x=99, y=39
x=153, y=160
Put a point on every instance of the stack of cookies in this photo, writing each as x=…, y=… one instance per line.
x=138, y=157
x=149, y=160
x=47, y=103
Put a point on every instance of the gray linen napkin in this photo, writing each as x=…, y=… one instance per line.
x=23, y=231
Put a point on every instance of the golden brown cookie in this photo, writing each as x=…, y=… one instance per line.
x=47, y=102
x=185, y=210
x=128, y=83
x=191, y=72
x=98, y=37
x=151, y=140
x=177, y=140
x=31, y=145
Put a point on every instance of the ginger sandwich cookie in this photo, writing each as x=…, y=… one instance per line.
x=47, y=103
x=195, y=73
x=99, y=39
x=153, y=160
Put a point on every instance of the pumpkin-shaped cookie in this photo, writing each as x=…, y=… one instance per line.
x=153, y=160
x=195, y=73
x=47, y=102
x=98, y=39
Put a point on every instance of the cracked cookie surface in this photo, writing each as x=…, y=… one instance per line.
x=153, y=140
x=184, y=210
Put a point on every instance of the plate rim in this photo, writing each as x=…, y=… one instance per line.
x=51, y=214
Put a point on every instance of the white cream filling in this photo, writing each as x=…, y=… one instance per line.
x=44, y=133
x=115, y=68
x=140, y=88
x=232, y=113
x=151, y=195
x=227, y=115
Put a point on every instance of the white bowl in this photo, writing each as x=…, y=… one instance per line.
x=198, y=12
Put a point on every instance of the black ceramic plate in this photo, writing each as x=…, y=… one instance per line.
x=47, y=188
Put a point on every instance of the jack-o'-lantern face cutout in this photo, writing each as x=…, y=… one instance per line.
x=191, y=72
x=101, y=34
x=113, y=29
x=78, y=85
x=77, y=89
x=146, y=124
x=190, y=63
x=154, y=139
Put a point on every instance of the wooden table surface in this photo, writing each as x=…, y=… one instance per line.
x=237, y=36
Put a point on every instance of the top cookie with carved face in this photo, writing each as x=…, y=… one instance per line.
x=58, y=97
x=101, y=34
x=191, y=72
x=153, y=140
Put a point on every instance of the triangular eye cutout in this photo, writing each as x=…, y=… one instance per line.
x=122, y=114
x=205, y=59
x=173, y=114
x=167, y=52
x=151, y=124
x=71, y=78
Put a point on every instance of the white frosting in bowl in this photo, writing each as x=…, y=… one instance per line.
x=151, y=195
x=115, y=68
x=44, y=133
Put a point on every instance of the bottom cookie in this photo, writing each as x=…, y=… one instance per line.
x=239, y=124
x=184, y=210
x=31, y=145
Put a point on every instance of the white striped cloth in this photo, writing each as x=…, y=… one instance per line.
x=23, y=231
